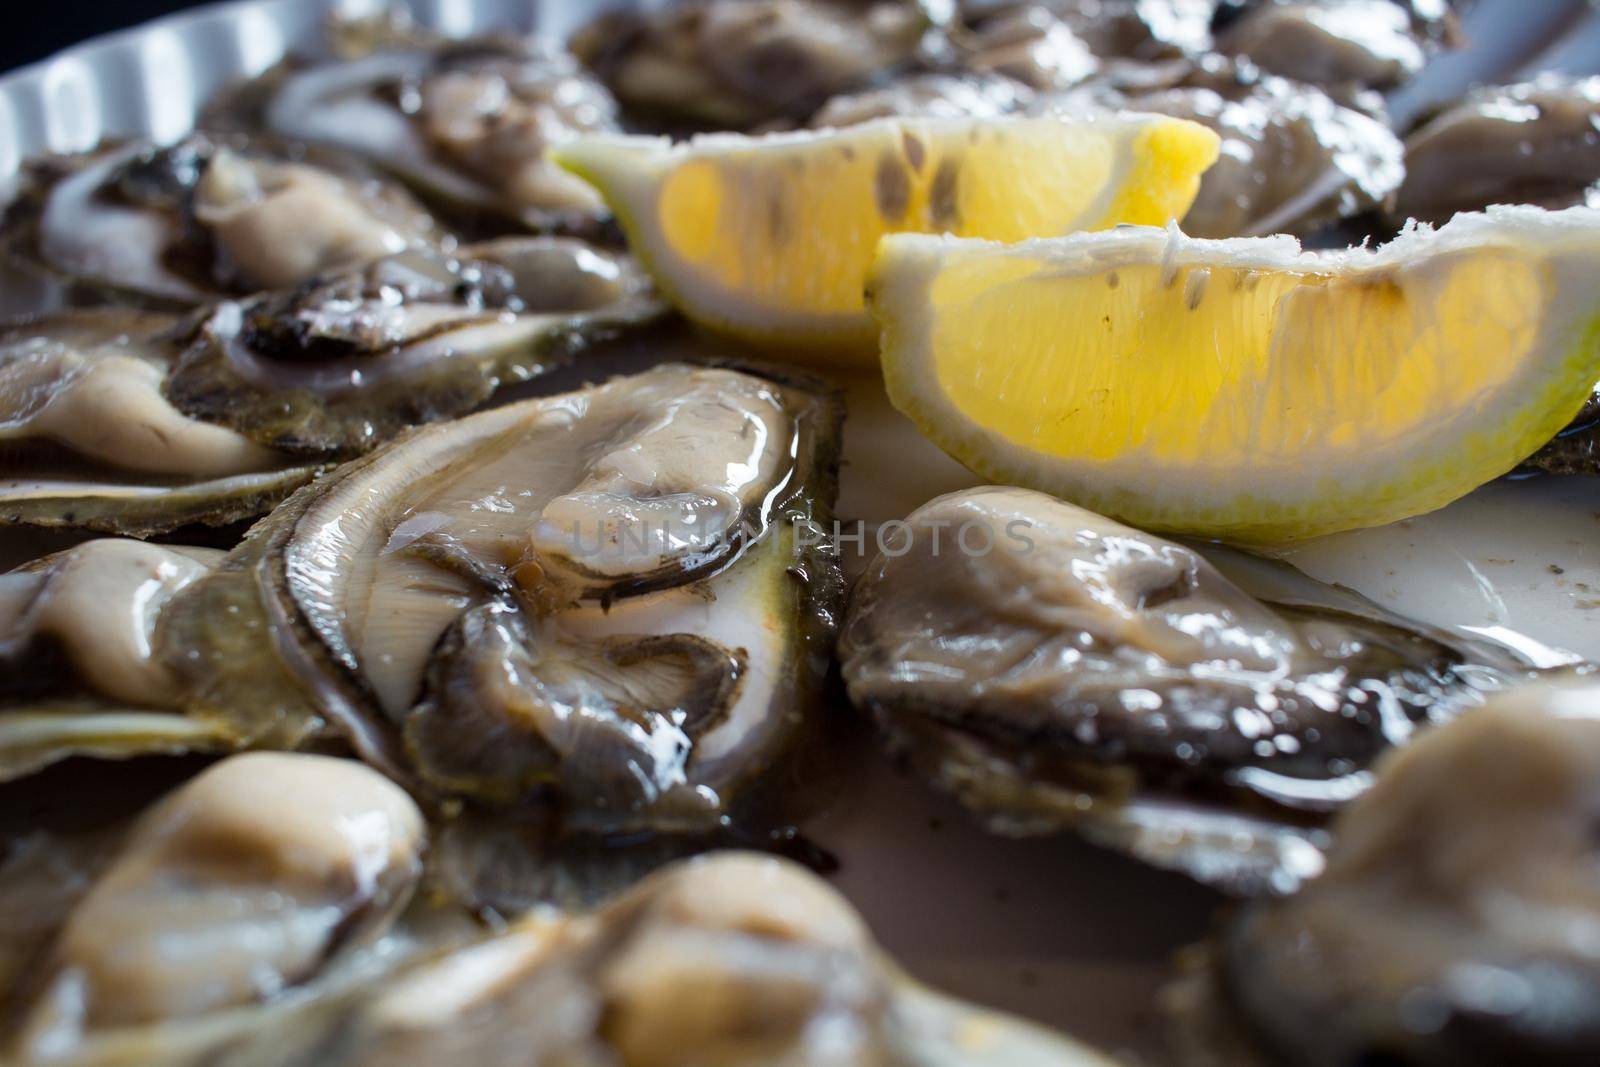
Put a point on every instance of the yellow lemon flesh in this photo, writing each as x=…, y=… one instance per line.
x=1244, y=389
x=770, y=238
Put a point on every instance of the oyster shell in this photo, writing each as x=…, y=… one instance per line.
x=742, y=63
x=608, y=604
x=1451, y=926
x=91, y=441
x=339, y=365
x=1292, y=158
x=1533, y=143
x=1055, y=670
x=237, y=888
x=466, y=123
x=187, y=223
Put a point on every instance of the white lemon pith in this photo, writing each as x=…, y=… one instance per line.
x=771, y=237
x=1245, y=389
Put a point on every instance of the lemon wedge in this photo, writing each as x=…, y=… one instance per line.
x=1244, y=389
x=770, y=237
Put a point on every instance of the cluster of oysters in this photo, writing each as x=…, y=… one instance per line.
x=464, y=695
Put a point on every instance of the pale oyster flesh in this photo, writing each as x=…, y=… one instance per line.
x=590, y=600
x=465, y=123
x=606, y=605
x=191, y=222
x=341, y=364
x=734, y=959
x=252, y=919
x=1453, y=925
x=1057, y=670
x=240, y=886
x=90, y=672
x=91, y=440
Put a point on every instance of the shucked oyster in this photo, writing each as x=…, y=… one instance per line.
x=250, y=921
x=590, y=600
x=1292, y=159
x=90, y=439
x=740, y=63
x=256, y=878
x=87, y=667
x=191, y=222
x=1534, y=143
x=598, y=604
x=138, y=423
x=1342, y=44
x=1126, y=29
x=732, y=960
x=1055, y=670
x=466, y=123
x=1027, y=42
x=338, y=365
x=1454, y=924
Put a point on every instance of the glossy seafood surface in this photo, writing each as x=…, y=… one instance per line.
x=599, y=601
x=180, y=224
x=1449, y=927
x=432, y=649
x=1054, y=670
x=90, y=438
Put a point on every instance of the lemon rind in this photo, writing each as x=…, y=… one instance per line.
x=1250, y=503
x=627, y=188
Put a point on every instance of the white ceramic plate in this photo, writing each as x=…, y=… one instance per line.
x=1052, y=929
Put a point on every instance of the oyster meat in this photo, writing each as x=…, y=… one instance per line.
x=1127, y=29
x=91, y=439
x=1292, y=158
x=591, y=599
x=336, y=366
x=607, y=604
x=732, y=959
x=466, y=123
x=1344, y=44
x=1054, y=670
x=89, y=670
x=201, y=219
x=1452, y=925
x=1533, y=143
x=1029, y=43
x=741, y=63
x=245, y=883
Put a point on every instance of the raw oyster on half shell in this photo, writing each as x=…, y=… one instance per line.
x=1056, y=670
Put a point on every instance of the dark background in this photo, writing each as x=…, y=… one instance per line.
x=33, y=29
